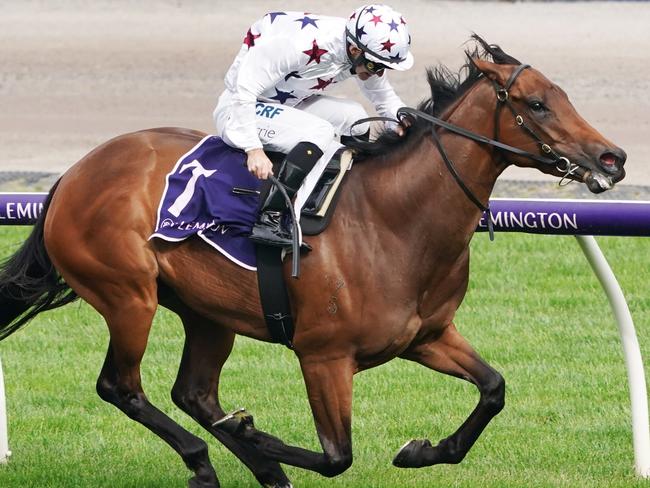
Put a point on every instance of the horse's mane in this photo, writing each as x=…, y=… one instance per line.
x=446, y=87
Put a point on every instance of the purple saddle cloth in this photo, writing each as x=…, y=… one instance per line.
x=211, y=194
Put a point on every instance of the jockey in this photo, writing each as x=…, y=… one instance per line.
x=273, y=93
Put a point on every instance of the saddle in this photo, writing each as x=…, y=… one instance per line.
x=317, y=212
x=210, y=194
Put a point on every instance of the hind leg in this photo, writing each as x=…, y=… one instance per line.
x=451, y=354
x=207, y=347
x=119, y=384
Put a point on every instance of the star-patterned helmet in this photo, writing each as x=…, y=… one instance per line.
x=381, y=33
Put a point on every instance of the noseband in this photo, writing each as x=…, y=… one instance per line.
x=556, y=161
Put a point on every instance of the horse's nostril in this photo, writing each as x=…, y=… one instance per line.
x=613, y=157
x=612, y=161
x=608, y=159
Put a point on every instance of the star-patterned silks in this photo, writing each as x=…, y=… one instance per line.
x=376, y=19
x=360, y=32
x=282, y=96
x=307, y=21
x=273, y=15
x=315, y=53
x=289, y=69
x=322, y=84
x=387, y=45
x=249, y=40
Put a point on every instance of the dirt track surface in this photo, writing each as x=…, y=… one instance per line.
x=76, y=73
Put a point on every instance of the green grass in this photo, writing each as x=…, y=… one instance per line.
x=534, y=310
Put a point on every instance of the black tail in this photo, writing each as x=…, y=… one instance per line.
x=29, y=283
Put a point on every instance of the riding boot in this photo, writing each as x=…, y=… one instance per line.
x=269, y=228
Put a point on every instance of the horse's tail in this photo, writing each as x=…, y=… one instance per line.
x=29, y=283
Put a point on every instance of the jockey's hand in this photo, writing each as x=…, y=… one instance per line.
x=259, y=164
x=404, y=124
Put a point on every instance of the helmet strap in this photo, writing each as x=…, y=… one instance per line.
x=353, y=61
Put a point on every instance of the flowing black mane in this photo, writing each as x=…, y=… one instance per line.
x=446, y=87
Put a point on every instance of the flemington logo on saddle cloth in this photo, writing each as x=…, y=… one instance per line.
x=199, y=200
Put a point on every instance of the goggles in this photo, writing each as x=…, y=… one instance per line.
x=373, y=67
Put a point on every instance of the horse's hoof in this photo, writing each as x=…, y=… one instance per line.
x=276, y=485
x=196, y=483
x=411, y=454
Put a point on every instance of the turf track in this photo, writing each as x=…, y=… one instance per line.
x=534, y=310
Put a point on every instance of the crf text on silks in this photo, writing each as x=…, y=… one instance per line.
x=268, y=111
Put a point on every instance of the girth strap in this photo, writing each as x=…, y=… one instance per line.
x=273, y=290
x=273, y=294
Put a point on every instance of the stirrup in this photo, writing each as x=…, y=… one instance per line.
x=268, y=230
x=266, y=235
x=277, y=241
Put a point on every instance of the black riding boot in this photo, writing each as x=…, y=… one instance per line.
x=269, y=229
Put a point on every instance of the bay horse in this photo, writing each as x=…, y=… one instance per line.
x=395, y=260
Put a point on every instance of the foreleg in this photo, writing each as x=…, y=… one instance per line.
x=329, y=388
x=451, y=354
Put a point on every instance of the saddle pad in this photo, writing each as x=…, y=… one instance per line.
x=210, y=193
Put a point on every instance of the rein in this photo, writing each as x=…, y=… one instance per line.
x=560, y=163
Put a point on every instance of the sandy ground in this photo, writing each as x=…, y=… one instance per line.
x=75, y=73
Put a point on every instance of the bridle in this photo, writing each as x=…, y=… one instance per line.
x=552, y=158
x=562, y=164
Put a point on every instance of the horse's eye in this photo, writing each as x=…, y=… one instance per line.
x=536, y=106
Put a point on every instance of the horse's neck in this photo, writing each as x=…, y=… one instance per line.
x=421, y=200
x=475, y=162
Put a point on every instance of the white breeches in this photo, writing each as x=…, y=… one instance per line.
x=319, y=119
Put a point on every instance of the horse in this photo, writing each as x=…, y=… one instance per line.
x=395, y=259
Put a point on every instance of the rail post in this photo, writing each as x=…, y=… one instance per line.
x=631, y=351
x=4, y=440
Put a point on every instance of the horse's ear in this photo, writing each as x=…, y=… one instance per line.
x=496, y=72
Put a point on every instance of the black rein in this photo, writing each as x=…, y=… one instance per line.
x=560, y=163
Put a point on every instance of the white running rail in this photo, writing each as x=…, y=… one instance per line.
x=4, y=440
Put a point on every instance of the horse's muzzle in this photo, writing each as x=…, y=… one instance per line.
x=608, y=171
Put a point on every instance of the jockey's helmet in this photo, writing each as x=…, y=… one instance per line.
x=381, y=33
